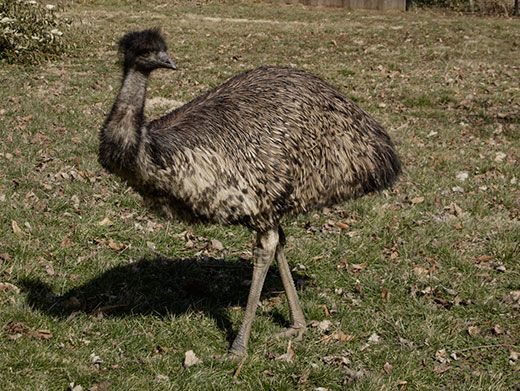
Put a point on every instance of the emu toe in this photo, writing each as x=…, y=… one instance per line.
x=296, y=332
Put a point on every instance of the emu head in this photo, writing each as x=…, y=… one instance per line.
x=145, y=51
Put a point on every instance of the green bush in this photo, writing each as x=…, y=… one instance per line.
x=29, y=31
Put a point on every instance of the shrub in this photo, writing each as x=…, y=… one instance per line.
x=29, y=31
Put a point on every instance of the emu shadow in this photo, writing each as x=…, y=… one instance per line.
x=160, y=286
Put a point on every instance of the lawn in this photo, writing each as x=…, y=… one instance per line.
x=415, y=288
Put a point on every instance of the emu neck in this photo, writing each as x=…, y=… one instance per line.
x=121, y=133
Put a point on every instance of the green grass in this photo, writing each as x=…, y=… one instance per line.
x=426, y=267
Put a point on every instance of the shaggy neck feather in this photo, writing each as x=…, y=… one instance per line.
x=121, y=133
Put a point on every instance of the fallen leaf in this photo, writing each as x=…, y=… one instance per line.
x=342, y=225
x=289, y=355
x=162, y=378
x=114, y=245
x=8, y=287
x=462, y=176
x=323, y=326
x=454, y=209
x=439, y=369
x=216, y=245
x=16, y=228
x=352, y=375
x=338, y=335
x=500, y=156
x=385, y=294
x=105, y=222
x=190, y=359
x=387, y=367
x=326, y=310
x=338, y=360
x=66, y=242
x=473, y=330
x=420, y=271
x=104, y=385
x=75, y=387
x=5, y=257
x=95, y=359
x=42, y=334
x=440, y=356
x=374, y=339
x=304, y=377
x=513, y=298
x=497, y=329
x=417, y=200
x=49, y=269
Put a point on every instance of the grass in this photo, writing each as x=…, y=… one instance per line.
x=421, y=284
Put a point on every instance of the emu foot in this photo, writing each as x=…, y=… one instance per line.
x=236, y=356
x=296, y=331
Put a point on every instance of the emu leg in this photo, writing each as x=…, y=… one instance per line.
x=298, y=325
x=263, y=256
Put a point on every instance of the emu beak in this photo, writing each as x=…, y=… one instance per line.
x=166, y=61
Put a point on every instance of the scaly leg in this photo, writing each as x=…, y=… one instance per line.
x=266, y=243
x=298, y=325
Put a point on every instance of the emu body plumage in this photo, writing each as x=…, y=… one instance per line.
x=268, y=142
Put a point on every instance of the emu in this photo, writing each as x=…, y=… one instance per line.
x=268, y=142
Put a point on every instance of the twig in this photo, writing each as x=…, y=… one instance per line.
x=239, y=368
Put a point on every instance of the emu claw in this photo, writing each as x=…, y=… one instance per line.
x=294, y=331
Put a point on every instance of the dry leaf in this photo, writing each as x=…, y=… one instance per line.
x=323, y=326
x=104, y=385
x=66, y=242
x=500, y=156
x=326, y=310
x=439, y=369
x=420, y=271
x=289, y=355
x=385, y=294
x=8, y=287
x=75, y=387
x=42, y=334
x=114, y=245
x=49, y=269
x=387, y=367
x=342, y=225
x=513, y=298
x=16, y=228
x=95, y=359
x=105, y=222
x=190, y=359
x=417, y=200
x=462, y=176
x=352, y=375
x=338, y=335
x=374, y=339
x=497, y=329
x=440, y=356
x=216, y=245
